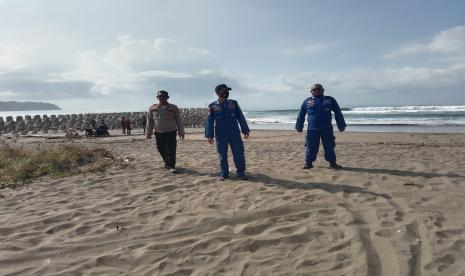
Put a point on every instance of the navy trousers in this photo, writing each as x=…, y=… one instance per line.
x=237, y=148
x=313, y=143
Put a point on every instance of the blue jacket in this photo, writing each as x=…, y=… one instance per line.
x=318, y=111
x=226, y=114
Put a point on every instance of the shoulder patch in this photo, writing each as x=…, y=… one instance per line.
x=310, y=102
x=216, y=107
x=231, y=105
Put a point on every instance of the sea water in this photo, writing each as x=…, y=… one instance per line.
x=429, y=119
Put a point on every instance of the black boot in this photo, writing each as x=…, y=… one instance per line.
x=334, y=165
x=308, y=165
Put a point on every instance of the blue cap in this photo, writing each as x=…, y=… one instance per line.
x=221, y=87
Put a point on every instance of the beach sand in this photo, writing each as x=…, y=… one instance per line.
x=395, y=209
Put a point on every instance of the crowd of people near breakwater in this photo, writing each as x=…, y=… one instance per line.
x=192, y=117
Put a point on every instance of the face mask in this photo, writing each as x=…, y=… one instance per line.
x=317, y=93
x=224, y=95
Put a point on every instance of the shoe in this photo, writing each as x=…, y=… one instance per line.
x=172, y=170
x=308, y=165
x=333, y=165
x=222, y=178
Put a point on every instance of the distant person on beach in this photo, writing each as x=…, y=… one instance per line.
x=126, y=125
x=165, y=119
x=222, y=124
x=143, y=121
x=93, y=123
x=318, y=110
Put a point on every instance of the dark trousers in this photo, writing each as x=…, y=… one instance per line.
x=166, y=145
x=313, y=144
x=237, y=147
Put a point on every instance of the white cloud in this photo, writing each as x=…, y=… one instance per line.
x=358, y=87
x=131, y=71
x=8, y=93
x=14, y=55
x=134, y=65
x=361, y=81
x=310, y=49
x=450, y=43
x=141, y=54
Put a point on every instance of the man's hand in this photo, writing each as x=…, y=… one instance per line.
x=299, y=130
x=149, y=136
x=181, y=136
x=342, y=129
x=246, y=135
x=210, y=141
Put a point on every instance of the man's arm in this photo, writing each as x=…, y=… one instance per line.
x=242, y=122
x=299, y=124
x=179, y=122
x=150, y=123
x=341, y=123
x=209, y=124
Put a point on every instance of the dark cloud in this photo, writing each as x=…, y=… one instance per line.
x=30, y=87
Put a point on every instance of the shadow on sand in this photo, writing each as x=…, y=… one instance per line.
x=289, y=184
x=330, y=188
x=399, y=172
x=182, y=170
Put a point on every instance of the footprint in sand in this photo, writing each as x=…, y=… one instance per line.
x=441, y=264
x=214, y=206
x=166, y=188
x=327, y=212
x=60, y=227
x=449, y=234
x=308, y=198
x=459, y=246
x=387, y=224
x=367, y=184
x=83, y=230
x=385, y=233
x=439, y=220
x=399, y=216
x=287, y=197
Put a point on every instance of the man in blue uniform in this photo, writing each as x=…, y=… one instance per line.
x=222, y=124
x=318, y=110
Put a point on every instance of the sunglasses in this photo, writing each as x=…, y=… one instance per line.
x=162, y=96
x=316, y=89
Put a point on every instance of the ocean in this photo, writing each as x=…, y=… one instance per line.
x=427, y=119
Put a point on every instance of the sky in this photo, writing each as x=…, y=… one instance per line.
x=113, y=55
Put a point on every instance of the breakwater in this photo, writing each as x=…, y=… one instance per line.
x=192, y=117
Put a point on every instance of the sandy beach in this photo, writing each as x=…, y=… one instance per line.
x=395, y=209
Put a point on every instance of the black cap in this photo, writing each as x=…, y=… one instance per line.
x=162, y=93
x=221, y=87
